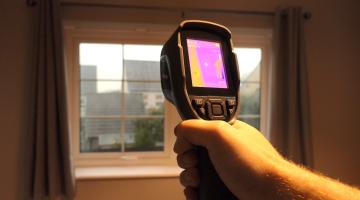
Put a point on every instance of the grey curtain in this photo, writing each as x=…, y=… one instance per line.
x=50, y=170
x=289, y=126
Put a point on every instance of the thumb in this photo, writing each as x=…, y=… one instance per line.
x=201, y=132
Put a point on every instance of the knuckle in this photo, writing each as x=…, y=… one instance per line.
x=180, y=162
x=182, y=178
x=181, y=146
x=176, y=147
x=187, y=160
x=177, y=129
x=219, y=126
x=189, y=177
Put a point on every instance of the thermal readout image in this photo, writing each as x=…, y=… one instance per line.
x=206, y=64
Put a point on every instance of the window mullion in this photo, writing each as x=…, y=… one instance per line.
x=122, y=102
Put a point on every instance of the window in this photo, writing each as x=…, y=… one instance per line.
x=253, y=50
x=118, y=113
x=249, y=61
x=122, y=103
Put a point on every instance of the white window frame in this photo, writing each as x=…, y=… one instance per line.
x=262, y=39
x=76, y=33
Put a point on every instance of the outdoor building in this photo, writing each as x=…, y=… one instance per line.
x=140, y=95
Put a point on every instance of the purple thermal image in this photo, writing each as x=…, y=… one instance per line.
x=206, y=64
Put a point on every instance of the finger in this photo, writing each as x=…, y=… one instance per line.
x=201, y=132
x=238, y=124
x=190, y=177
x=190, y=193
x=248, y=130
x=182, y=145
x=187, y=160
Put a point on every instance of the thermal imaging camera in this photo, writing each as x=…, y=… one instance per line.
x=199, y=72
x=200, y=76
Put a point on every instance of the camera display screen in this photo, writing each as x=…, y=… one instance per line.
x=206, y=64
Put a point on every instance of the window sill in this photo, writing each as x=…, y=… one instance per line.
x=126, y=172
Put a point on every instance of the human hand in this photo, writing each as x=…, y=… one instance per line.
x=241, y=155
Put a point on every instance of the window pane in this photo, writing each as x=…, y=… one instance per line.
x=100, y=135
x=142, y=70
x=101, y=61
x=141, y=62
x=249, y=60
x=250, y=98
x=253, y=121
x=144, y=134
x=142, y=52
x=147, y=103
x=100, y=98
x=104, y=87
x=88, y=72
x=132, y=87
x=115, y=77
x=100, y=104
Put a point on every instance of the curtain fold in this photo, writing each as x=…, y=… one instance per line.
x=289, y=118
x=49, y=162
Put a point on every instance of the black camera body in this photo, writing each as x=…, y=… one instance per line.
x=199, y=85
x=200, y=76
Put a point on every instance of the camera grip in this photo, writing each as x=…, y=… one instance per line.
x=211, y=187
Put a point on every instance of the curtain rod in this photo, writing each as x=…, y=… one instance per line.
x=183, y=10
x=160, y=8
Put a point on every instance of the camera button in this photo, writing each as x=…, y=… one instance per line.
x=217, y=109
x=231, y=102
x=202, y=110
x=231, y=110
x=198, y=102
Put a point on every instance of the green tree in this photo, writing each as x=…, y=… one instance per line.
x=149, y=132
x=250, y=104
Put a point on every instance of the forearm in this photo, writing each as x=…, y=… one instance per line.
x=289, y=181
x=250, y=166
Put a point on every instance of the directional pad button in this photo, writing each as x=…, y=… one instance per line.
x=217, y=109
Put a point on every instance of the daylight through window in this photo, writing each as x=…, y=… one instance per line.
x=121, y=104
x=249, y=61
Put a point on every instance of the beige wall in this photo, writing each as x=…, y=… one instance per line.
x=154, y=189
x=333, y=52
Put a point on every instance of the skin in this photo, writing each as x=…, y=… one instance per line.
x=249, y=165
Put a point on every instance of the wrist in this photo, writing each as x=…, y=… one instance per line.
x=287, y=180
x=267, y=180
x=276, y=180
